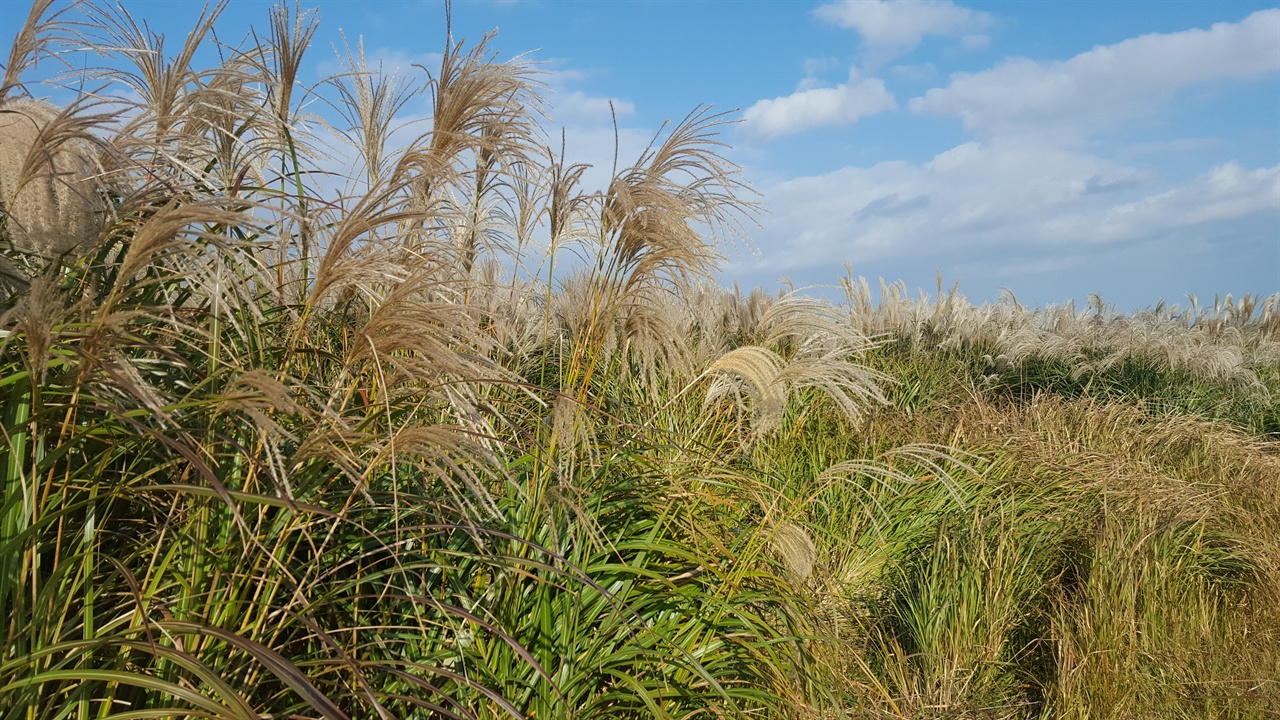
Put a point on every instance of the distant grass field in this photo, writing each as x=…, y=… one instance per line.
x=289, y=445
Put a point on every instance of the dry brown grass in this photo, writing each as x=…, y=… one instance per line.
x=1154, y=629
x=1228, y=342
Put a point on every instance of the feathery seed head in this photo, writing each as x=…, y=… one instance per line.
x=795, y=549
x=49, y=176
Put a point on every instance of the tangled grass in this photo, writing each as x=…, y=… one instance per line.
x=283, y=445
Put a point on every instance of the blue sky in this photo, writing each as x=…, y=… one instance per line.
x=1052, y=148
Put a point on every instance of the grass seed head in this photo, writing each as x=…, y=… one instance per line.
x=50, y=192
x=795, y=549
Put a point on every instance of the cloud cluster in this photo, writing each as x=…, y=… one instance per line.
x=1032, y=193
x=889, y=28
x=577, y=106
x=814, y=107
x=1021, y=215
x=892, y=28
x=1000, y=209
x=1109, y=83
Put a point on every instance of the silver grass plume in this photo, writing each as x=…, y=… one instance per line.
x=805, y=343
x=38, y=33
x=370, y=101
x=169, y=92
x=795, y=549
x=50, y=176
x=484, y=125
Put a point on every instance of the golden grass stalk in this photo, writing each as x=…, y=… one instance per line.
x=162, y=84
x=370, y=102
x=30, y=43
x=795, y=549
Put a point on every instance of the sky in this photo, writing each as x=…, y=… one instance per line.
x=1051, y=149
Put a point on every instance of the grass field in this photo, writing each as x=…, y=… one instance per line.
x=284, y=444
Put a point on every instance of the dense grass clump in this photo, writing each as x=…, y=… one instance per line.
x=283, y=444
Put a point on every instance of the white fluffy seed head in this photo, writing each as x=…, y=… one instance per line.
x=795, y=549
x=49, y=191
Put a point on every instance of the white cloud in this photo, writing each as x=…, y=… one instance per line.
x=891, y=28
x=812, y=107
x=579, y=107
x=814, y=66
x=914, y=73
x=1108, y=83
x=1165, y=147
x=995, y=204
x=1037, y=201
x=1225, y=192
x=569, y=106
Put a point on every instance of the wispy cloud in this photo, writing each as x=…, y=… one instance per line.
x=1109, y=83
x=891, y=28
x=579, y=107
x=1165, y=147
x=814, y=107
